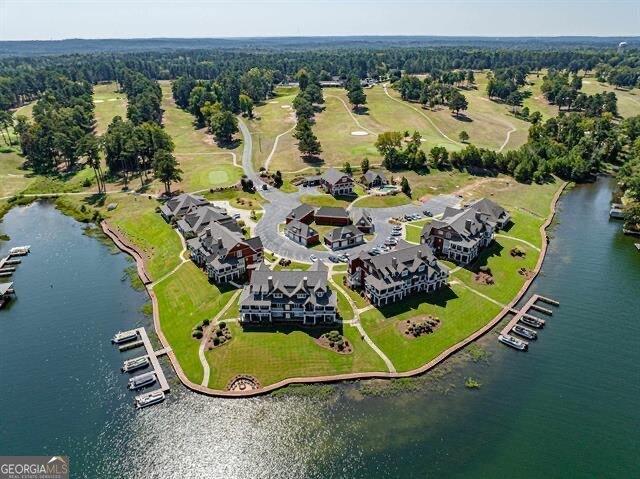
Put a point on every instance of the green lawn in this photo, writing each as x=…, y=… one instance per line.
x=359, y=301
x=382, y=201
x=275, y=353
x=460, y=311
x=12, y=178
x=108, y=103
x=344, y=308
x=327, y=200
x=628, y=100
x=136, y=218
x=413, y=233
x=237, y=199
x=184, y=299
x=203, y=162
x=504, y=269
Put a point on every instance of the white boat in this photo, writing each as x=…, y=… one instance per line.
x=149, y=399
x=524, y=332
x=142, y=380
x=124, y=336
x=135, y=363
x=20, y=250
x=513, y=342
x=533, y=322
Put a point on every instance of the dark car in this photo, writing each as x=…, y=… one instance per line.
x=334, y=259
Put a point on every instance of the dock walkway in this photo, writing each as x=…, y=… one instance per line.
x=524, y=311
x=153, y=358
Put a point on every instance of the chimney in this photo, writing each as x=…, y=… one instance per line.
x=468, y=224
x=305, y=282
x=270, y=282
x=420, y=253
x=394, y=262
x=220, y=242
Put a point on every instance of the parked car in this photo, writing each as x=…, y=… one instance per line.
x=396, y=233
x=428, y=213
x=333, y=259
x=313, y=258
x=343, y=258
x=391, y=241
x=236, y=216
x=374, y=251
x=264, y=186
x=385, y=249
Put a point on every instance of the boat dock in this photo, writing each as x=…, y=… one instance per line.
x=143, y=340
x=7, y=268
x=638, y=246
x=525, y=312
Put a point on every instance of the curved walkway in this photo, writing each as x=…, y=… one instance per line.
x=423, y=114
x=183, y=260
x=267, y=162
x=205, y=337
x=506, y=141
x=500, y=235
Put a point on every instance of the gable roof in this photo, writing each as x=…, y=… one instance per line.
x=332, y=212
x=301, y=229
x=343, y=232
x=183, y=203
x=492, y=209
x=467, y=223
x=371, y=175
x=332, y=176
x=363, y=218
x=198, y=219
x=301, y=211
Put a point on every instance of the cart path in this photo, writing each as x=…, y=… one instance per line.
x=183, y=260
x=356, y=323
x=267, y=162
x=205, y=338
x=353, y=117
x=499, y=235
x=423, y=114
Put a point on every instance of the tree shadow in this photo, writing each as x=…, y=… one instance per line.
x=229, y=145
x=361, y=110
x=97, y=199
x=313, y=160
x=462, y=117
x=411, y=303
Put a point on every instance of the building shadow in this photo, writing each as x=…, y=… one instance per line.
x=438, y=298
x=286, y=328
x=494, y=249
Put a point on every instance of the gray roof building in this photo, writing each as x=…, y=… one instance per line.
x=494, y=211
x=333, y=176
x=344, y=237
x=180, y=205
x=303, y=212
x=196, y=221
x=373, y=178
x=288, y=296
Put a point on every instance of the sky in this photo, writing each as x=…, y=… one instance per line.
x=59, y=19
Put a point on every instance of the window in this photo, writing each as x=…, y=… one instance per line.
x=277, y=295
x=301, y=295
x=421, y=268
x=404, y=273
x=319, y=294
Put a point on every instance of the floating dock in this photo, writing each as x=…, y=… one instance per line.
x=638, y=246
x=152, y=356
x=20, y=251
x=524, y=312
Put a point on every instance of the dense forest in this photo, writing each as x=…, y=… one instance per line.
x=215, y=85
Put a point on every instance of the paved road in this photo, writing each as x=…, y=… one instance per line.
x=280, y=204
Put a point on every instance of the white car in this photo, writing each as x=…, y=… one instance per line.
x=313, y=258
x=396, y=233
x=391, y=241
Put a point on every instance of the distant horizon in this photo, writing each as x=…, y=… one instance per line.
x=38, y=20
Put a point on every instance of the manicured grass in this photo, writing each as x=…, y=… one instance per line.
x=184, y=299
x=359, y=301
x=435, y=182
x=108, y=103
x=137, y=219
x=461, y=312
x=12, y=178
x=344, y=308
x=270, y=120
x=237, y=199
x=382, y=201
x=504, y=269
x=413, y=233
x=524, y=226
x=203, y=162
x=295, y=265
x=628, y=100
x=274, y=353
x=326, y=200
x=70, y=183
x=537, y=101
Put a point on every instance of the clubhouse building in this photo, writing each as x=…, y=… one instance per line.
x=336, y=183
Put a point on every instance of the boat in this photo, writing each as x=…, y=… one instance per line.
x=20, y=250
x=143, y=380
x=149, y=399
x=513, y=342
x=638, y=246
x=533, y=322
x=135, y=363
x=524, y=332
x=124, y=336
x=616, y=211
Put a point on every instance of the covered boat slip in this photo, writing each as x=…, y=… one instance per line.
x=6, y=291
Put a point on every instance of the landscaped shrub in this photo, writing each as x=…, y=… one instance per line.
x=206, y=322
x=197, y=334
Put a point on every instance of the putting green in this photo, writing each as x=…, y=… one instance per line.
x=218, y=177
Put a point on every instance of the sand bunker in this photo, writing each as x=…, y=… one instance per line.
x=98, y=101
x=273, y=102
x=113, y=99
x=359, y=133
x=286, y=106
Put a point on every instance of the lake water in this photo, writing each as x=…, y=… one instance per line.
x=567, y=408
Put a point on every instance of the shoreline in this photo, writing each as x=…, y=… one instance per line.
x=125, y=246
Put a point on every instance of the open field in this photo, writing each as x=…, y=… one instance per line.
x=628, y=100
x=274, y=353
x=184, y=299
x=460, y=311
x=537, y=101
x=108, y=103
x=12, y=178
x=204, y=164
